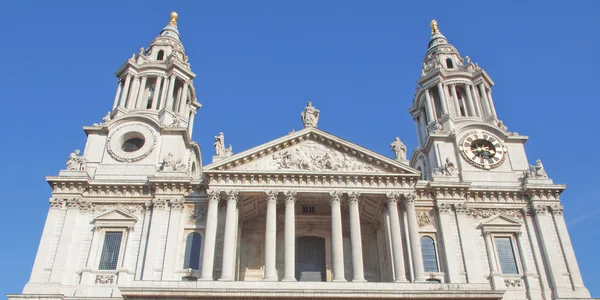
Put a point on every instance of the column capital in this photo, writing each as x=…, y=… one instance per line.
x=557, y=209
x=214, y=195
x=462, y=208
x=335, y=197
x=409, y=199
x=540, y=209
x=444, y=208
x=391, y=198
x=353, y=197
x=272, y=196
x=176, y=204
x=290, y=196
x=233, y=195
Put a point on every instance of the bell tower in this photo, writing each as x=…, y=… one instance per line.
x=150, y=125
x=458, y=131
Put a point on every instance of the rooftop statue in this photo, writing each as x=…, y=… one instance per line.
x=310, y=116
x=399, y=149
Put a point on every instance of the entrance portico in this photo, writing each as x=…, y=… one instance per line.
x=310, y=191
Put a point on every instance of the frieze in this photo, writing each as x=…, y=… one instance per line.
x=490, y=212
x=126, y=207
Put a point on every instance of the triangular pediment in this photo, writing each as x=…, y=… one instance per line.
x=502, y=223
x=502, y=220
x=115, y=216
x=311, y=151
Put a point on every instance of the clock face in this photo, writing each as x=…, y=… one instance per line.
x=482, y=149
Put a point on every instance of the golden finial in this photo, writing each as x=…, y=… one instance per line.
x=434, y=27
x=174, y=17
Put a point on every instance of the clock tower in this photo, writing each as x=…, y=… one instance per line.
x=459, y=133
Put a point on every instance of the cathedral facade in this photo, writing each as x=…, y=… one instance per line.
x=310, y=215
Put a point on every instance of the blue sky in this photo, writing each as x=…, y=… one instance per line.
x=259, y=62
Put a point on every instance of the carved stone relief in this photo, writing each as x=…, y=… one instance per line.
x=424, y=218
x=197, y=215
x=310, y=156
x=105, y=279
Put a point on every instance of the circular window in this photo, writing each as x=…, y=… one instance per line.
x=132, y=145
x=131, y=142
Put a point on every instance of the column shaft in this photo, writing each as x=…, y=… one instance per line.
x=191, y=123
x=271, y=237
x=491, y=103
x=163, y=92
x=356, y=239
x=290, y=237
x=182, y=101
x=471, y=103
x=210, y=236
x=490, y=253
x=120, y=86
x=337, y=241
x=156, y=92
x=140, y=103
x=399, y=270
x=415, y=241
x=229, y=237
x=135, y=85
x=567, y=246
x=455, y=98
x=125, y=91
x=431, y=116
x=484, y=100
x=419, y=136
x=442, y=98
x=170, y=92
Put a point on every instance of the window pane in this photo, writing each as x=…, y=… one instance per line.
x=192, y=251
x=506, y=255
x=110, y=251
x=429, y=256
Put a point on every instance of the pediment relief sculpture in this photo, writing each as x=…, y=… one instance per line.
x=311, y=156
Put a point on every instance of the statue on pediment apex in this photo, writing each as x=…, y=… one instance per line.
x=310, y=116
x=399, y=149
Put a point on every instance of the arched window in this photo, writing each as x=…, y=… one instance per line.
x=449, y=63
x=430, y=263
x=160, y=55
x=192, y=251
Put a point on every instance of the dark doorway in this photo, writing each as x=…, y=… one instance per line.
x=310, y=258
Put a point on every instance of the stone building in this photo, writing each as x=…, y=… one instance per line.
x=308, y=215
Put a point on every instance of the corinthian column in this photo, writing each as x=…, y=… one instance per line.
x=210, y=235
x=356, y=238
x=271, y=237
x=415, y=241
x=290, y=237
x=337, y=242
x=229, y=237
x=397, y=253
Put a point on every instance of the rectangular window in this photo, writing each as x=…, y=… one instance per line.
x=110, y=251
x=506, y=255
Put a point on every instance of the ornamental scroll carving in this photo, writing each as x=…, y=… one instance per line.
x=513, y=282
x=490, y=212
x=310, y=156
x=105, y=279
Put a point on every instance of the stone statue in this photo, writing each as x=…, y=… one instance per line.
x=310, y=116
x=76, y=162
x=449, y=168
x=399, y=149
x=434, y=27
x=107, y=118
x=170, y=163
x=502, y=126
x=141, y=53
x=220, y=149
x=538, y=170
x=468, y=59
